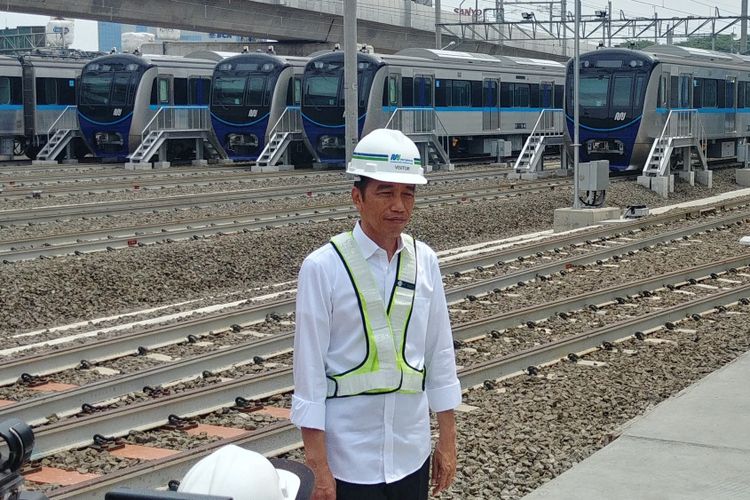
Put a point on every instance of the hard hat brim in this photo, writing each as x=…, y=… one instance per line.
x=299, y=479
x=398, y=178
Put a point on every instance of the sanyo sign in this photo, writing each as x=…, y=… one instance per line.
x=468, y=12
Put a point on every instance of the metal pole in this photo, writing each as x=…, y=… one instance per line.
x=576, y=111
x=438, y=29
x=563, y=15
x=743, y=28
x=609, y=24
x=350, y=76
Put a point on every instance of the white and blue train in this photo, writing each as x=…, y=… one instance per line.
x=121, y=93
x=250, y=93
x=626, y=96
x=34, y=90
x=478, y=98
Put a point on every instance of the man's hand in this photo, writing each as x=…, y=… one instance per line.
x=325, y=484
x=444, y=456
x=316, y=459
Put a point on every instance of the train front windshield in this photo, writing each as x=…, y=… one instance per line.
x=108, y=87
x=612, y=88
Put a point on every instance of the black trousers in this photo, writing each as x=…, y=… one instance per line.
x=415, y=486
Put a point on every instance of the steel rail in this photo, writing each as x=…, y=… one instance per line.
x=123, y=237
x=37, y=410
x=513, y=364
x=151, y=338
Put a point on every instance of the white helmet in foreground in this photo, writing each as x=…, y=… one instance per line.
x=388, y=156
x=246, y=475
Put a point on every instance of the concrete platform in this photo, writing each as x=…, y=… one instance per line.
x=572, y=218
x=742, y=176
x=695, y=445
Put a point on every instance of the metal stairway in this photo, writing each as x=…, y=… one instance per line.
x=423, y=126
x=275, y=149
x=172, y=122
x=287, y=130
x=56, y=144
x=60, y=136
x=682, y=130
x=548, y=131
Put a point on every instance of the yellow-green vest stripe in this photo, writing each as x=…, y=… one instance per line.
x=384, y=368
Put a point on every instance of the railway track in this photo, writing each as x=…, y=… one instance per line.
x=111, y=239
x=283, y=436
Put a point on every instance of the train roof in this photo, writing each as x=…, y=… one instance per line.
x=212, y=55
x=692, y=53
x=9, y=61
x=447, y=55
x=265, y=56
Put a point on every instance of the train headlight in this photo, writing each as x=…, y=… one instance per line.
x=242, y=140
x=330, y=142
x=108, y=139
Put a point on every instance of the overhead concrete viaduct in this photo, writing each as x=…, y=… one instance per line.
x=387, y=25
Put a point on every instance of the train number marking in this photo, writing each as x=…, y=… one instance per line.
x=620, y=116
x=117, y=112
x=252, y=113
x=520, y=125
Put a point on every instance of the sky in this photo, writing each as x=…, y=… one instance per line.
x=86, y=34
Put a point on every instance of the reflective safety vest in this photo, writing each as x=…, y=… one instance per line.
x=384, y=368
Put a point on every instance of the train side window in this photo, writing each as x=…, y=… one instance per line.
x=476, y=94
x=521, y=95
x=506, y=95
x=441, y=99
x=163, y=91
x=729, y=98
x=674, y=92
x=698, y=93
x=5, y=92
x=461, y=94
x=710, y=94
x=407, y=91
x=534, y=97
x=684, y=95
x=294, y=92
x=46, y=91
x=180, y=91
x=66, y=91
x=661, y=98
x=393, y=88
x=200, y=90
x=559, y=95
x=741, y=90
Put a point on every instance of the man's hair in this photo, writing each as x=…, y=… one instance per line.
x=361, y=184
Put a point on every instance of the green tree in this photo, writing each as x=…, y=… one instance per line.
x=724, y=43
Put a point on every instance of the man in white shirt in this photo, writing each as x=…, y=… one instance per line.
x=373, y=350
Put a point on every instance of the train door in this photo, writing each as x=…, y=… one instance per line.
x=490, y=104
x=424, y=98
x=546, y=95
x=730, y=100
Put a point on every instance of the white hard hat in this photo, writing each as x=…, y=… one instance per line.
x=241, y=474
x=389, y=156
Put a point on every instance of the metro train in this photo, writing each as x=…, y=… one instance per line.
x=478, y=98
x=250, y=93
x=34, y=90
x=626, y=95
x=121, y=93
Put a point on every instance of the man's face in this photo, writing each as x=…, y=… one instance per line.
x=384, y=208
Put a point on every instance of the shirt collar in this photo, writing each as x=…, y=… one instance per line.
x=368, y=246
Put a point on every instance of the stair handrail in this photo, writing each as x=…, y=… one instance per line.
x=66, y=120
x=289, y=121
x=420, y=120
x=550, y=121
x=178, y=118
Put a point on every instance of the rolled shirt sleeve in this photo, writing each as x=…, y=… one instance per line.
x=311, y=339
x=441, y=385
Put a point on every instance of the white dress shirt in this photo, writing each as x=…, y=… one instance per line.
x=380, y=438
